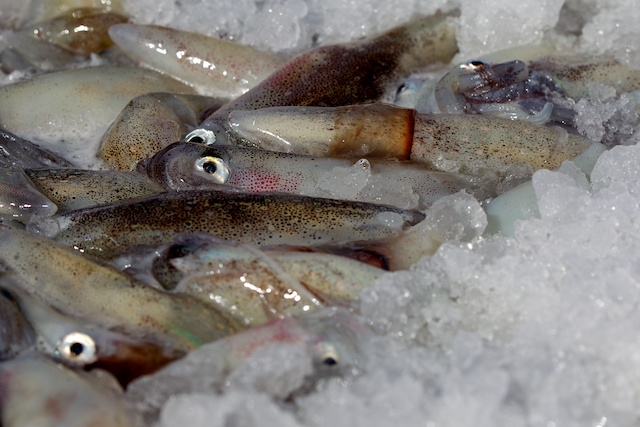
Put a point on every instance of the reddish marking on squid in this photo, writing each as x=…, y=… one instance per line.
x=275, y=331
x=260, y=181
x=56, y=406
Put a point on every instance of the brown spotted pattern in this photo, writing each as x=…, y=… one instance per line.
x=80, y=188
x=475, y=143
x=78, y=287
x=353, y=73
x=256, y=219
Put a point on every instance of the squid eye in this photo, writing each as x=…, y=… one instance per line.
x=327, y=357
x=329, y=360
x=77, y=348
x=214, y=167
x=201, y=136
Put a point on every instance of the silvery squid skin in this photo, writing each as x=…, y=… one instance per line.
x=212, y=66
x=344, y=74
x=447, y=142
x=258, y=219
x=256, y=285
x=188, y=166
x=39, y=392
x=82, y=289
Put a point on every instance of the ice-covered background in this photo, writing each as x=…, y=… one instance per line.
x=541, y=329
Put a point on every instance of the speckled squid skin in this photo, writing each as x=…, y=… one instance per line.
x=74, y=285
x=462, y=143
x=257, y=170
x=80, y=188
x=110, y=230
x=475, y=143
x=149, y=123
x=347, y=74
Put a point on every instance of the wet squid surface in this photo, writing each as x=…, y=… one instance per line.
x=164, y=217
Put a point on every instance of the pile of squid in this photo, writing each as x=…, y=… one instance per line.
x=165, y=194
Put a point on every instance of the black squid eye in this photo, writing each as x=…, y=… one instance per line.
x=78, y=349
x=329, y=361
x=214, y=168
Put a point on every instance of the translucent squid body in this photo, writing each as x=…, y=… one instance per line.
x=469, y=144
x=353, y=73
x=212, y=66
x=81, y=30
x=188, y=166
x=39, y=392
x=256, y=285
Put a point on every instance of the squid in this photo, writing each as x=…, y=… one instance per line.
x=332, y=341
x=213, y=67
x=80, y=30
x=39, y=392
x=67, y=112
x=469, y=144
x=92, y=293
x=71, y=189
x=256, y=285
x=110, y=230
x=408, y=185
x=354, y=73
x=149, y=123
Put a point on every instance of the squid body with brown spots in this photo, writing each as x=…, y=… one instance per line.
x=259, y=219
x=77, y=287
x=461, y=143
x=344, y=74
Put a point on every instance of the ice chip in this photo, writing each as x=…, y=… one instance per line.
x=346, y=183
x=275, y=370
x=619, y=164
x=481, y=33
